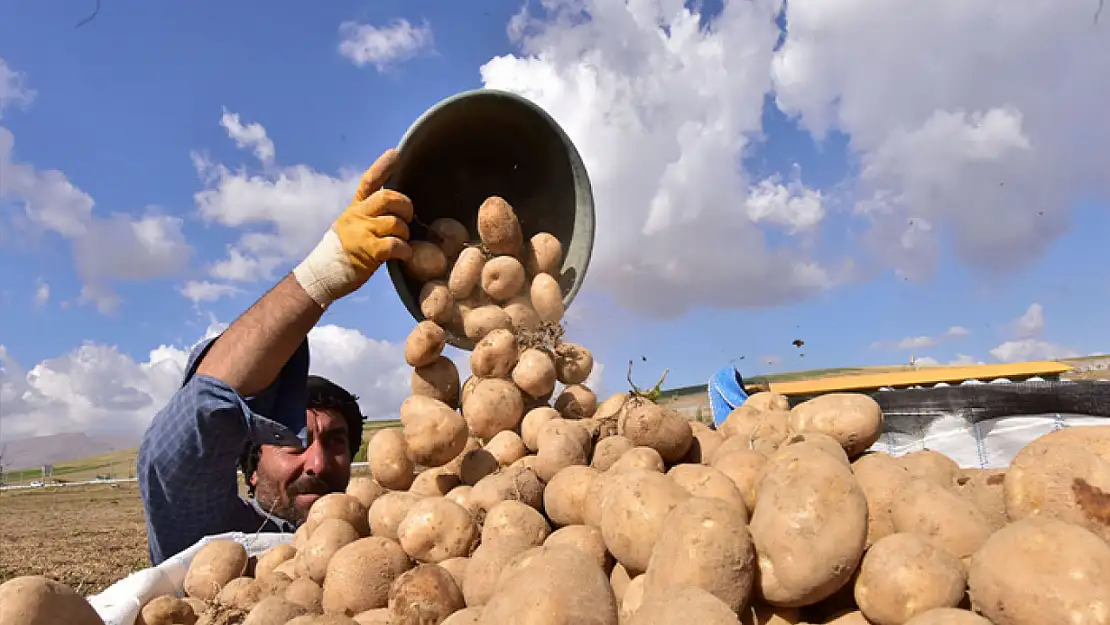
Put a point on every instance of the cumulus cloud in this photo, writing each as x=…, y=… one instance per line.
x=14, y=91
x=198, y=291
x=384, y=46
x=663, y=103
x=99, y=390
x=957, y=331
x=1027, y=343
x=923, y=341
x=105, y=247
x=987, y=139
x=282, y=211
x=42, y=293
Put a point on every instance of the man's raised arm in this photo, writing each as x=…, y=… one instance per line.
x=249, y=384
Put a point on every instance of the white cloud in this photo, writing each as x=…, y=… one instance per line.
x=42, y=293
x=282, y=211
x=252, y=136
x=977, y=122
x=1031, y=323
x=13, y=89
x=957, y=331
x=1031, y=349
x=105, y=248
x=384, y=46
x=964, y=359
x=596, y=380
x=98, y=389
x=199, y=291
x=916, y=342
x=662, y=110
x=926, y=361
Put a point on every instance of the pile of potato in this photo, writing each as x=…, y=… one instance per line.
x=494, y=505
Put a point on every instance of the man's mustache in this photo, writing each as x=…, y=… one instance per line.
x=309, y=485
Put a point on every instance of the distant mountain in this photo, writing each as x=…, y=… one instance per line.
x=29, y=453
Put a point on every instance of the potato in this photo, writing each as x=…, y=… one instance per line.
x=527, y=462
x=449, y=234
x=434, y=432
x=882, y=478
x=436, y=529
x=934, y=466
x=424, y=595
x=534, y=373
x=274, y=611
x=927, y=508
x=242, y=593
x=522, y=315
x=288, y=568
x=439, y=380
x=947, y=616
x=198, y=605
x=360, y=574
x=608, y=450
x=389, y=510
x=482, y=320
x=214, y=565
x=573, y=364
x=427, y=261
x=456, y=568
x=744, y=468
x=477, y=464
x=1060, y=480
x=633, y=515
x=495, y=355
x=565, y=495
x=486, y=565
x=467, y=273
x=514, y=483
x=275, y=556
x=164, y=610
x=37, y=600
x=809, y=526
x=559, y=586
x=547, y=298
x=638, y=458
x=379, y=616
x=594, y=501
x=507, y=447
x=326, y=539
x=704, y=544
x=517, y=521
x=543, y=254
x=305, y=593
x=499, y=228
x=903, y=575
x=436, y=302
x=461, y=495
x=502, y=278
x=1041, y=570
x=650, y=425
x=705, y=443
x=576, y=401
x=389, y=460
x=768, y=401
x=276, y=582
x=632, y=600
x=759, y=613
x=853, y=419
x=985, y=488
x=853, y=617
x=703, y=481
x=688, y=604
x=584, y=538
x=467, y=616
x=435, y=482
x=342, y=506
x=495, y=405
x=824, y=441
x=618, y=578
x=532, y=423
x=763, y=431
x=561, y=444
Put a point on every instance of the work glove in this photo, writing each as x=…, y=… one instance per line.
x=372, y=230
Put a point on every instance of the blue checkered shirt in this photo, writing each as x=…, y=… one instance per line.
x=188, y=460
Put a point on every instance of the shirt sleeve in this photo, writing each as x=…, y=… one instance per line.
x=187, y=466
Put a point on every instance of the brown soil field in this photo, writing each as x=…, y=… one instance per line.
x=88, y=537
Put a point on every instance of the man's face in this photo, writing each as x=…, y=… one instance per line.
x=289, y=479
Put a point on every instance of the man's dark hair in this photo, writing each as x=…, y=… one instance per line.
x=323, y=395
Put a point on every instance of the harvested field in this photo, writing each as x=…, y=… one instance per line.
x=85, y=536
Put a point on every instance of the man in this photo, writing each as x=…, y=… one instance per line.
x=247, y=399
x=726, y=392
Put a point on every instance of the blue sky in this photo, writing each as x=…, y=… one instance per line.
x=123, y=105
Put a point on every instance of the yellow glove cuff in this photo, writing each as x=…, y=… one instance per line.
x=327, y=273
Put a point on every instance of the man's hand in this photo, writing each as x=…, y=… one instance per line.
x=371, y=231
